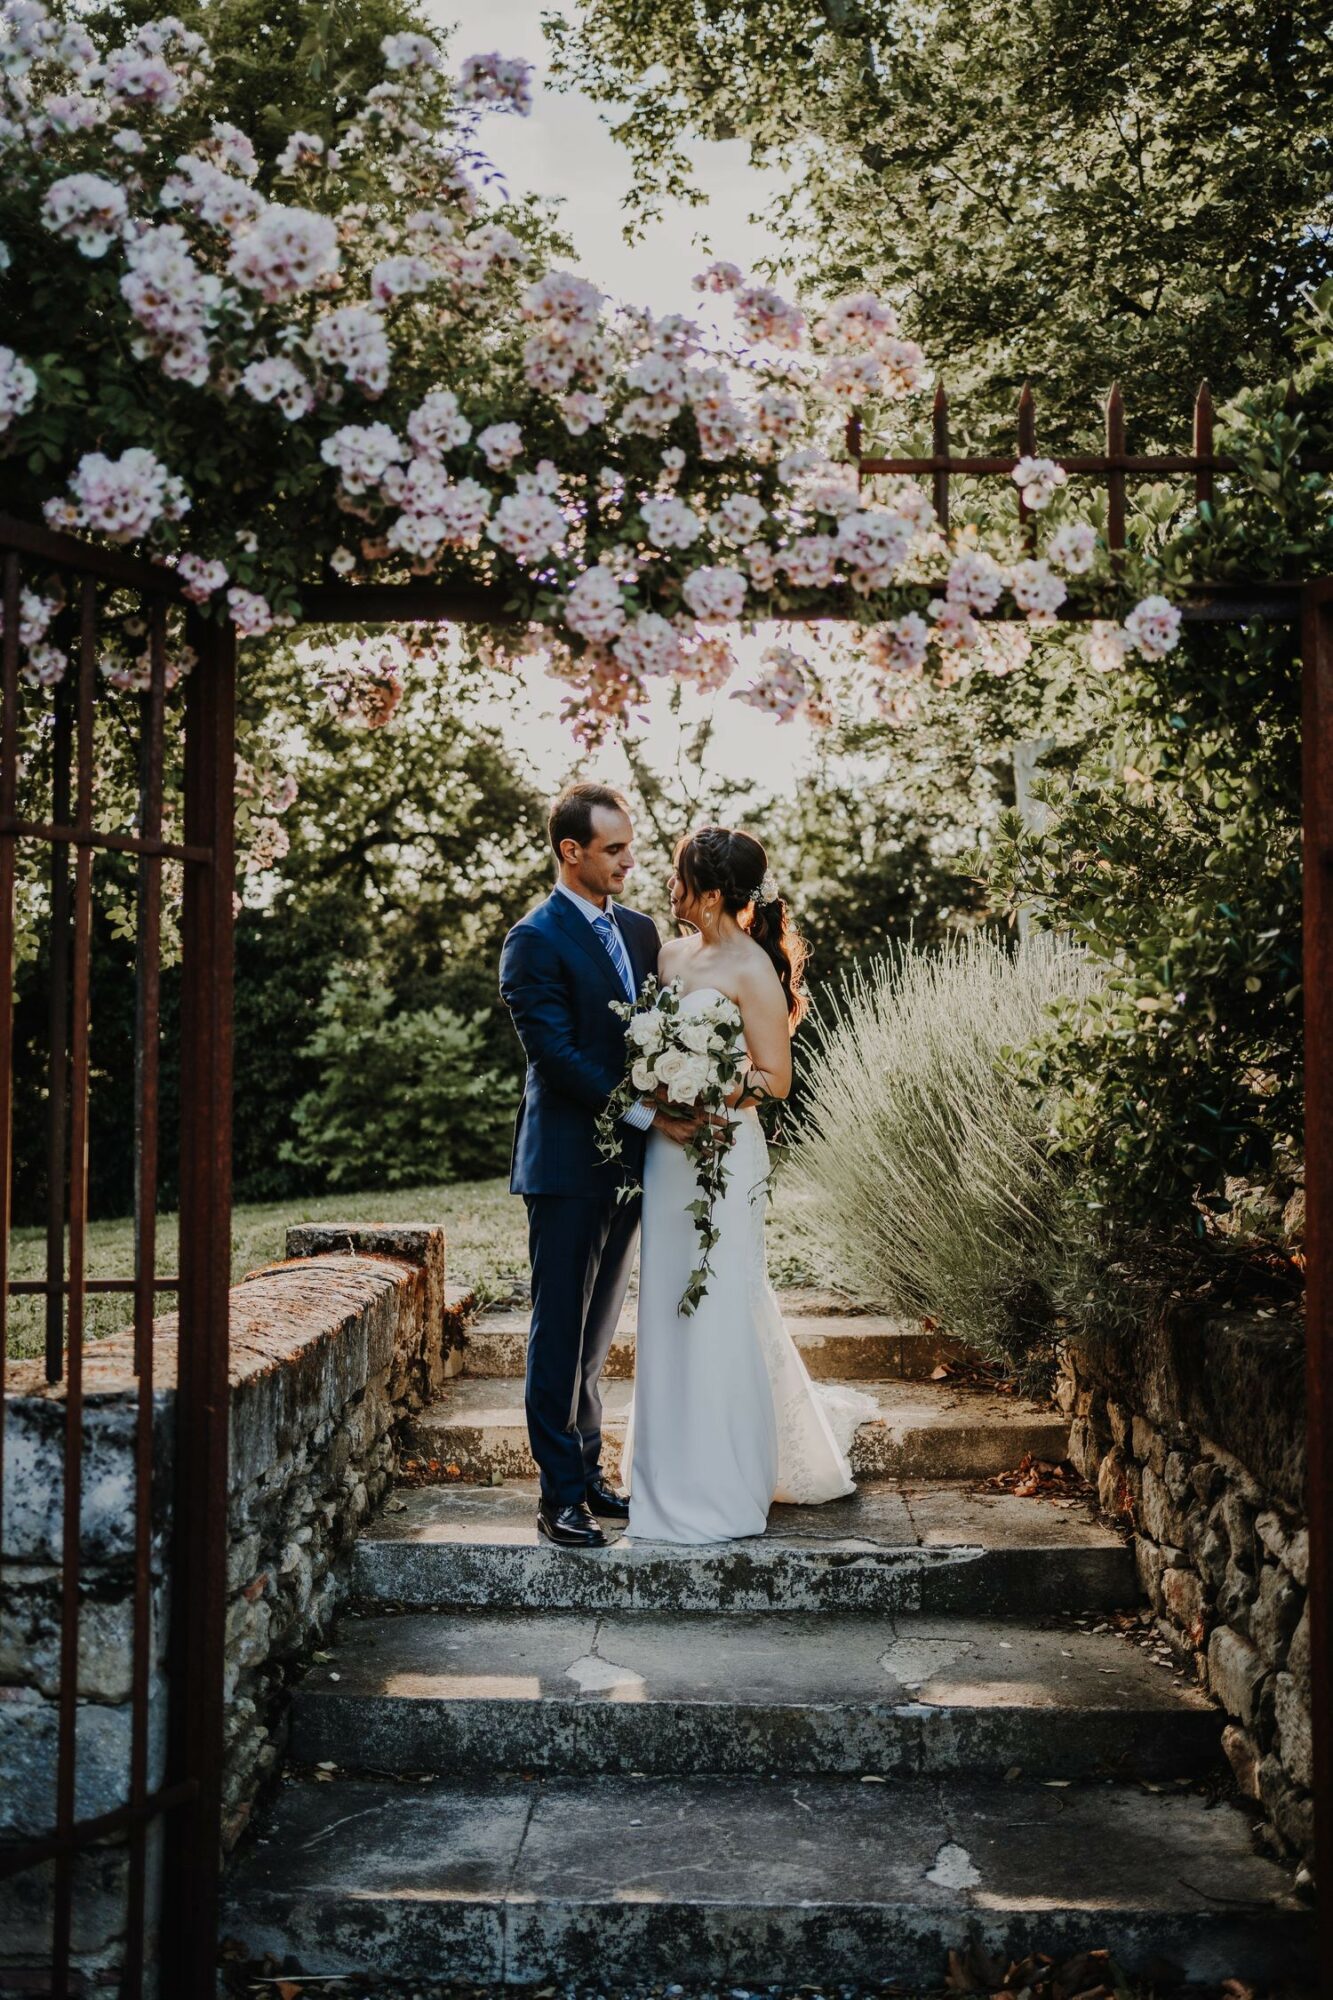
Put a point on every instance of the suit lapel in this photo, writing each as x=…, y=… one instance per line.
x=580, y=932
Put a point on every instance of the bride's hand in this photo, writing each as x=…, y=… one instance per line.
x=678, y=1125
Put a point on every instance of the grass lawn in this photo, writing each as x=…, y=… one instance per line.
x=486, y=1228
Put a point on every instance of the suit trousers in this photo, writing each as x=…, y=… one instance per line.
x=582, y=1251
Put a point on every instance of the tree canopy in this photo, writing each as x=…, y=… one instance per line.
x=1074, y=191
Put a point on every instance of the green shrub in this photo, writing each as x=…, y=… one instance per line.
x=403, y=1097
x=920, y=1151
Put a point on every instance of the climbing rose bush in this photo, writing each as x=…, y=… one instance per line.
x=352, y=356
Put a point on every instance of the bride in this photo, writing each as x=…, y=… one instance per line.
x=725, y=1417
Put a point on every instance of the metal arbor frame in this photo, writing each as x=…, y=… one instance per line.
x=189, y=1797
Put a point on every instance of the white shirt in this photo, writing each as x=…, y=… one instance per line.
x=639, y=1116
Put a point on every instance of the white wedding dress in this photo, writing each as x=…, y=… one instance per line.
x=725, y=1418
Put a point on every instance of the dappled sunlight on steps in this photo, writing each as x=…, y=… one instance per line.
x=884, y=1730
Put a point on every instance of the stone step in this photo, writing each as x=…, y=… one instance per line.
x=929, y=1546
x=836, y=1347
x=923, y=1430
x=752, y=1882
x=908, y=1696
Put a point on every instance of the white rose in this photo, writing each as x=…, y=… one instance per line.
x=669, y=1065
x=689, y=1079
x=641, y=1076
x=696, y=1035
x=645, y=1030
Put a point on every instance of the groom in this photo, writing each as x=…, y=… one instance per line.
x=561, y=969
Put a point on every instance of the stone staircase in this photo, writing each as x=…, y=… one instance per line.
x=898, y=1725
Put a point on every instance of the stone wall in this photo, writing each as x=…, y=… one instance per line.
x=1194, y=1435
x=330, y=1351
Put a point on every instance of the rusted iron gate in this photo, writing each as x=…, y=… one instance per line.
x=189, y=1798
x=186, y=1802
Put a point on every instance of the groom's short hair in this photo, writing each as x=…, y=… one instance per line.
x=571, y=814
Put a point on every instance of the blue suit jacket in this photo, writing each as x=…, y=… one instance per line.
x=558, y=982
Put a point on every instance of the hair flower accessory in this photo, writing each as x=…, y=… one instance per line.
x=768, y=891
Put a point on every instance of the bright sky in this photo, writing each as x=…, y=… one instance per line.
x=565, y=150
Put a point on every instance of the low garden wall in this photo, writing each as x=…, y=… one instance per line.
x=1194, y=1435
x=330, y=1351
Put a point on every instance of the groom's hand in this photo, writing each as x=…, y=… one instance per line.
x=678, y=1125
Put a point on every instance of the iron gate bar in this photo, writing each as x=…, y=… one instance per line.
x=191, y=1896
x=72, y=1497
x=16, y=1857
x=58, y=1287
x=57, y=1127
x=146, y=1036
x=9, y=722
x=116, y=843
x=1317, y=857
x=939, y=440
x=1206, y=464
x=1109, y=464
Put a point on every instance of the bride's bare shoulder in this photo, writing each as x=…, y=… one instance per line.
x=671, y=956
x=754, y=966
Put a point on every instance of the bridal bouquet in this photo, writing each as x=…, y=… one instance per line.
x=693, y=1062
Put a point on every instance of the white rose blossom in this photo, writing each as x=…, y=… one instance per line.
x=499, y=82
x=650, y=646
x=122, y=498
x=200, y=578
x=670, y=523
x=1073, y=548
x=1039, y=480
x=739, y=518
x=18, y=388
x=975, y=580
x=250, y=612
x=529, y=527
x=279, y=381
x=1037, y=590
x=594, y=606
x=437, y=425
x=580, y=410
x=899, y=646
x=353, y=338
x=715, y=593
x=782, y=689
x=89, y=209
x=362, y=454
x=500, y=445
x=718, y=277
x=1153, y=627
x=285, y=252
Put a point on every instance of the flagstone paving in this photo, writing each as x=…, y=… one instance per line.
x=889, y=1728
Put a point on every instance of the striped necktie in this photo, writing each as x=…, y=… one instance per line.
x=615, y=945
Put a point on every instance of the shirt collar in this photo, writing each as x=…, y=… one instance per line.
x=586, y=909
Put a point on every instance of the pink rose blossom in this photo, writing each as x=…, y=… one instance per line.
x=500, y=445
x=1153, y=627
x=899, y=645
x=1037, y=590
x=716, y=594
x=594, y=607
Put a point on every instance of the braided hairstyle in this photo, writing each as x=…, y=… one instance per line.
x=736, y=864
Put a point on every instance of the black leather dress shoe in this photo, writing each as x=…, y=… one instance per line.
x=605, y=1502
x=570, y=1527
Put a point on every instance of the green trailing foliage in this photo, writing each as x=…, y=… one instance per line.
x=1171, y=852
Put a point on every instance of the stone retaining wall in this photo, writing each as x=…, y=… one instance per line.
x=1194, y=1435
x=330, y=1351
